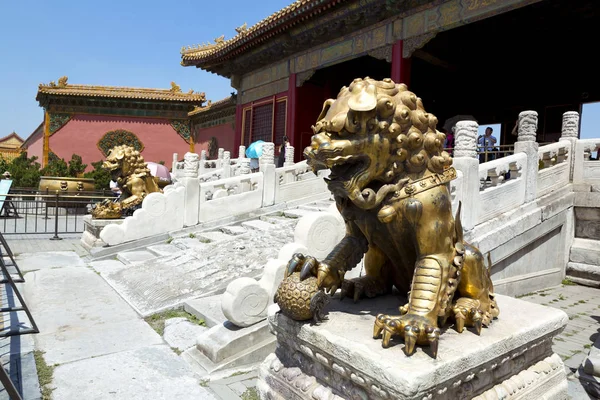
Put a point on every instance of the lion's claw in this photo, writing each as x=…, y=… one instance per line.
x=414, y=329
x=467, y=312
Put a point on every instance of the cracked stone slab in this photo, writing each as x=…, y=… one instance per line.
x=166, y=282
x=234, y=230
x=163, y=249
x=80, y=316
x=214, y=236
x=134, y=257
x=181, y=333
x=47, y=260
x=153, y=372
x=188, y=243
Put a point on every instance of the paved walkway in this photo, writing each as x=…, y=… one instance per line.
x=100, y=347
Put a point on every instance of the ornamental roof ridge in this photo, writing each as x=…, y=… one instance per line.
x=190, y=54
x=230, y=100
x=66, y=89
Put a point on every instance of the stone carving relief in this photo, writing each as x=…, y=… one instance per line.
x=465, y=142
x=570, y=125
x=268, y=153
x=528, y=121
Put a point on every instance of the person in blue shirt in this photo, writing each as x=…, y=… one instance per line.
x=487, y=143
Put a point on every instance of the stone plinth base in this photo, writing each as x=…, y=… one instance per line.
x=338, y=359
x=92, y=229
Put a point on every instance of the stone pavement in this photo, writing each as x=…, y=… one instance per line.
x=101, y=348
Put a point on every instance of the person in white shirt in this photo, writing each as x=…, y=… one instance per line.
x=487, y=143
x=114, y=187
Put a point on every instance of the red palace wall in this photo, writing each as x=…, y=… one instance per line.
x=81, y=135
x=36, y=148
x=225, y=134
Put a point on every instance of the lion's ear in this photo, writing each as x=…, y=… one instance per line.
x=326, y=107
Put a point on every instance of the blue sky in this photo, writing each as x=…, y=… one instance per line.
x=115, y=43
x=122, y=43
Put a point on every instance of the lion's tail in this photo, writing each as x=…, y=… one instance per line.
x=458, y=229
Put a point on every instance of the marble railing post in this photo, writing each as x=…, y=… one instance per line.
x=202, y=161
x=267, y=167
x=241, y=153
x=220, y=157
x=526, y=143
x=192, y=188
x=570, y=132
x=289, y=156
x=174, y=165
x=226, y=164
x=466, y=160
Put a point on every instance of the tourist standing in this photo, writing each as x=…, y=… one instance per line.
x=487, y=144
x=282, y=149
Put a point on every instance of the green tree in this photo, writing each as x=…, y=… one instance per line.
x=76, y=166
x=25, y=172
x=100, y=176
x=56, y=166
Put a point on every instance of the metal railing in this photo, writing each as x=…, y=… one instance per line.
x=502, y=150
x=31, y=212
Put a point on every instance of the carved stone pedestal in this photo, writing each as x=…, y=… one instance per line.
x=338, y=359
x=92, y=229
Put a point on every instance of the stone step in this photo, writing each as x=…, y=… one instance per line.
x=234, y=230
x=584, y=274
x=312, y=208
x=135, y=256
x=585, y=251
x=226, y=347
x=276, y=219
x=297, y=213
x=163, y=249
x=258, y=225
x=207, y=308
x=214, y=236
x=188, y=243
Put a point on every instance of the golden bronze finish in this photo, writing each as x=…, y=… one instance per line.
x=390, y=179
x=128, y=169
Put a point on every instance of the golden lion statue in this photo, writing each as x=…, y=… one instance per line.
x=390, y=180
x=128, y=169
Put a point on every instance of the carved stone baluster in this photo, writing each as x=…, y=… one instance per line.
x=242, y=152
x=268, y=154
x=494, y=176
x=547, y=159
x=174, y=165
x=226, y=164
x=202, y=162
x=570, y=125
x=526, y=144
x=220, y=158
x=570, y=132
x=514, y=170
x=467, y=161
x=562, y=155
x=289, y=156
x=245, y=166
x=192, y=189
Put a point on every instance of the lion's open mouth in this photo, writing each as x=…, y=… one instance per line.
x=346, y=168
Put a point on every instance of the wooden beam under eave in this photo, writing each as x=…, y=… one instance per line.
x=433, y=60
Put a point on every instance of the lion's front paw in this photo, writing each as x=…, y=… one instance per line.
x=415, y=329
x=470, y=312
x=328, y=278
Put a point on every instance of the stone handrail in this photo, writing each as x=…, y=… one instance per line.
x=554, y=153
x=497, y=169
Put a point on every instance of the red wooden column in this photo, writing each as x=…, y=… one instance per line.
x=237, y=138
x=290, y=130
x=400, y=65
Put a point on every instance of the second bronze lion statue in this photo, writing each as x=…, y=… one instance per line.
x=390, y=179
